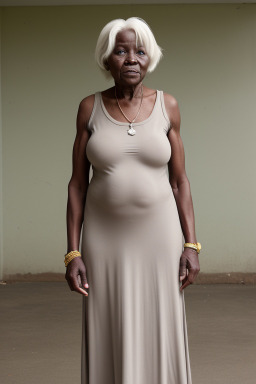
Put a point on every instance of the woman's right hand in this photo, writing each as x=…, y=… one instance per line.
x=76, y=268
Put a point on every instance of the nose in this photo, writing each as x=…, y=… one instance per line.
x=131, y=59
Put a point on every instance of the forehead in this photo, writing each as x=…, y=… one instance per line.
x=126, y=36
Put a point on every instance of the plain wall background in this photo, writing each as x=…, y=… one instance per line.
x=1, y=158
x=47, y=67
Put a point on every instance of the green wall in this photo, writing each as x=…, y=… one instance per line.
x=1, y=160
x=48, y=67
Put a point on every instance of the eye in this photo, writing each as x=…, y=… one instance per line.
x=120, y=51
x=141, y=52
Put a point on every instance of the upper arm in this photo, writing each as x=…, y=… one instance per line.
x=176, y=165
x=80, y=162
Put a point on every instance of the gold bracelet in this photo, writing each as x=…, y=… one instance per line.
x=70, y=256
x=196, y=246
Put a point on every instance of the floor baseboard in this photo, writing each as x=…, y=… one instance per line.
x=202, y=278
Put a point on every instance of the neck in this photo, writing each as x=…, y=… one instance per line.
x=128, y=92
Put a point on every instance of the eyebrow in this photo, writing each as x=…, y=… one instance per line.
x=123, y=44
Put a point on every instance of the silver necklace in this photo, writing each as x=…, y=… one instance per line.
x=131, y=131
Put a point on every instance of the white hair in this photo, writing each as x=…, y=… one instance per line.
x=144, y=35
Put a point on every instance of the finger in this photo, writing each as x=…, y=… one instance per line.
x=192, y=275
x=189, y=280
x=183, y=276
x=185, y=284
x=74, y=284
x=84, y=281
x=182, y=271
x=81, y=291
x=78, y=289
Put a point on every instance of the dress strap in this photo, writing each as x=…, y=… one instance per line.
x=164, y=111
x=95, y=104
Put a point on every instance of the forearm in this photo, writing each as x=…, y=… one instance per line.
x=182, y=194
x=75, y=216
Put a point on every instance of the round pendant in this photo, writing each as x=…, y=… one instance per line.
x=131, y=131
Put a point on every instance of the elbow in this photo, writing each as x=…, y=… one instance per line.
x=179, y=183
x=76, y=186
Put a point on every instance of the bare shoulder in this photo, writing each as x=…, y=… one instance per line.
x=85, y=108
x=173, y=111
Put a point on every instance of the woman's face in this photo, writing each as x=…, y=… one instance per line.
x=128, y=63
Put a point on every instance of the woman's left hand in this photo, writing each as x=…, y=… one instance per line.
x=188, y=261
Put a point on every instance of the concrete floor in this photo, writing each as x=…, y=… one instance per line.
x=40, y=336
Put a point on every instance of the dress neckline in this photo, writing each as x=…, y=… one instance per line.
x=126, y=122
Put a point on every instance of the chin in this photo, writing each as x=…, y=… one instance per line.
x=132, y=80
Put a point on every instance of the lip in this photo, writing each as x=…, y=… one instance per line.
x=131, y=72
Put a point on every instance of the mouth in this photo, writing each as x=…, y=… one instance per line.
x=131, y=71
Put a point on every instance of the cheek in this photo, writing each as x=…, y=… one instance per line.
x=145, y=62
x=145, y=66
x=116, y=65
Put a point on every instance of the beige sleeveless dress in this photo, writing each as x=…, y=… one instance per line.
x=134, y=321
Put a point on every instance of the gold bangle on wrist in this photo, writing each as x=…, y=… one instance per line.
x=196, y=246
x=70, y=256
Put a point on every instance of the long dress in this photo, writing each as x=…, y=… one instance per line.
x=134, y=327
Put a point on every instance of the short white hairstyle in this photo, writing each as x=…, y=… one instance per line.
x=144, y=36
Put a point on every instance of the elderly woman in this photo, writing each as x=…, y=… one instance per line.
x=139, y=248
